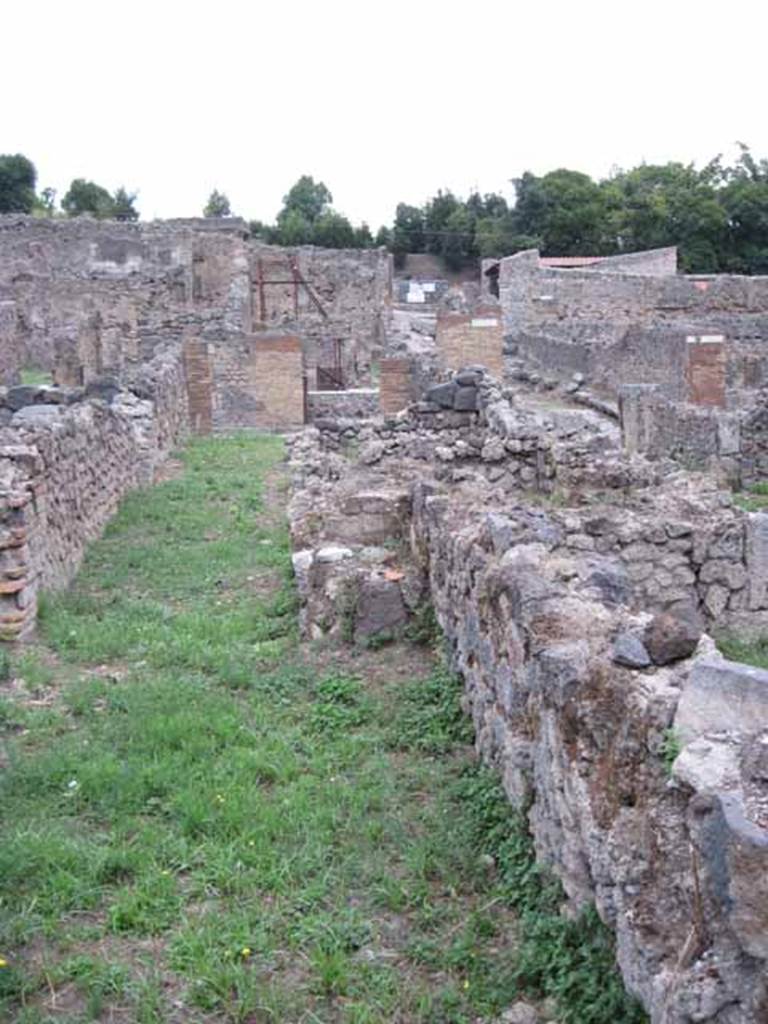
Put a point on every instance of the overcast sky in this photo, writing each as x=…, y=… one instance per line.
x=384, y=102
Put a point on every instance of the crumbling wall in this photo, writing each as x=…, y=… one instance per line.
x=619, y=327
x=324, y=296
x=582, y=662
x=9, y=348
x=357, y=403
x=674, y=867
x=87, y=289
x=66, y=460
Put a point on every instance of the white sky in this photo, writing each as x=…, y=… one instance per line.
x=384, y=102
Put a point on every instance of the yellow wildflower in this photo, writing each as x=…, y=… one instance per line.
x=245, y=952
x=3, y=962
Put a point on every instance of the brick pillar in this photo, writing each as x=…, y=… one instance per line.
x=395, y=385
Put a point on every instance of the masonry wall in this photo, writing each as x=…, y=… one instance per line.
x=537, y=603
x=325, y=295
x=89, y=290
x=676, y=869
x=9, y=349
x=65, y=464
x=631, y=328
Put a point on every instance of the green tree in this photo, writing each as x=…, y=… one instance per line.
x=45, y=203
x=294, y=229
x=363, y=237
x=566, y=210
x=408, y=232
x=333, y=231
x=217, y=205
x=457, y=245
x=673, y=204
x=123, y=205
x=87, y=197
x=437, y=213
x=384, y=237
x=307, y=198
x=744, y=197
x=17, y=184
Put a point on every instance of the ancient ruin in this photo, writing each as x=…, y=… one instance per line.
x=546, y=456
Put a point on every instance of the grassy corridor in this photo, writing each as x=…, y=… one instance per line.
x=203, y=821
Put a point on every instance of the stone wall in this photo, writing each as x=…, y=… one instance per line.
x=88, y=290
x=101, y=297
x=10, y=362
x=677, y=868
x=619, y=327
x=325, y=296
x=358, y=403
x=581, y=659
x=731, y=444
x=66, y=460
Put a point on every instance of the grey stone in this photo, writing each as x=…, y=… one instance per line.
x=442, y=395
x=465, y=399
x=722, y=696
x=493, y=450
x=36, y=416
x=371, y=452
x=670, y=637
x=333, y=553
x=22, y=395
x=468, y=378
x=380, y=608
x=105, y=388
x=519, y=1013
x=630, y=650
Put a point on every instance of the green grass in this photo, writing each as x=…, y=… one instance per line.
x=751, y=652
x=34, y=376
x=754, y=499
x=203, y=821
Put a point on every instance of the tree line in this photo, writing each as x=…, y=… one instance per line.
x=716, y=215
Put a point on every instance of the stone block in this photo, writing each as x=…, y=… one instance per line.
x=722, y=696
x=670, y=637
x=380, y=608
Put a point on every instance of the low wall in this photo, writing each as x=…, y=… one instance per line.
x=10, y=360
x=66, y=460
x=356, y=403
x=678, y=869
x=619, y=327
x=731, y=444
x=578, y=689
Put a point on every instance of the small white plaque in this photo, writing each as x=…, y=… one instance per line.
x=484, y=322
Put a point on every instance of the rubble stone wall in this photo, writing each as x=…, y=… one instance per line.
x=66, y=460
x=83, y=283
x=619, y=327
x=358, y=403
x=10, y=363
x=677, y=868
x=731, y=444
x=338, y=294
x=576, y=681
